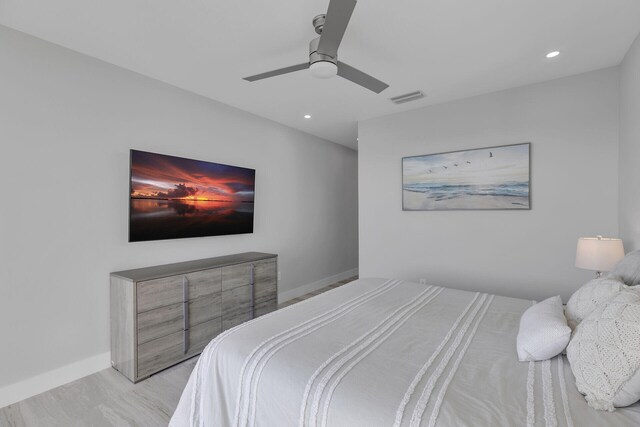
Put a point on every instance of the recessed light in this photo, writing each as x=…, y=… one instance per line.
x=307, y=116
x=553, y=54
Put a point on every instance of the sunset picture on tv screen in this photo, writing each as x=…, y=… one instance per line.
x=173, y=197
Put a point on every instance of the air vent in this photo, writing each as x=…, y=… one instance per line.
x=407, y=97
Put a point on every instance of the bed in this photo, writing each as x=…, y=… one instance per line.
x=380, y=352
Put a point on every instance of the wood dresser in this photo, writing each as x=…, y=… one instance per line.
x=165, y=314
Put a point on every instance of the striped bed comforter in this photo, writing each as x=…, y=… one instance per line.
x=385, y=353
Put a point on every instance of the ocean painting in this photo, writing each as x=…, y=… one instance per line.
x=173, y=197
x=485, y=178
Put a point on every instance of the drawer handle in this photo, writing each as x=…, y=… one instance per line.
x=185, y=288
x=185, y=315
x=185, y=326
x=252, y=283
x=186, y=341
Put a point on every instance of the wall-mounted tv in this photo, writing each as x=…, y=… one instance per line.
x=174, y=198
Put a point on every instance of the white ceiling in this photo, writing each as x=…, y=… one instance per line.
x=450, y=49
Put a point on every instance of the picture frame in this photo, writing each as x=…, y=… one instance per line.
x=487, y=178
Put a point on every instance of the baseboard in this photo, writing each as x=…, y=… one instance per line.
x=310, y=287
x=21, y=390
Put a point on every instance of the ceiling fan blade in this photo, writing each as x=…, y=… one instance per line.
x=335, y=24
x=358, y=77
x=277, y=72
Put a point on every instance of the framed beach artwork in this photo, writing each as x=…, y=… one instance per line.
x=479, y=179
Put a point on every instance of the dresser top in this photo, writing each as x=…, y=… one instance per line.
x=155, y=272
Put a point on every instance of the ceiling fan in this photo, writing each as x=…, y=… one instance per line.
x=323, y=50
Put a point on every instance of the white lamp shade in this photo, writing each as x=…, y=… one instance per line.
x=323, y=69
x=598, y=253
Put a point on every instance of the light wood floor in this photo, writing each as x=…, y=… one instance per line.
x=107, y=398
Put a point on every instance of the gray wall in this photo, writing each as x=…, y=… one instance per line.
x=630, y=148
x=67, y=123
x=572, y=124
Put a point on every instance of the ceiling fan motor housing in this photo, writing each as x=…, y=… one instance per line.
x=314, y=56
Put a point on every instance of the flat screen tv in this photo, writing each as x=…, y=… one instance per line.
x=174, y=198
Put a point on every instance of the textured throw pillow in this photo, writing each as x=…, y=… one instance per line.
x=604, y=353
x=591, y=295
x=543, y=331
x=628, y=269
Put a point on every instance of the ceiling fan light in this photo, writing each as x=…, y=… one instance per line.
x=323, y=69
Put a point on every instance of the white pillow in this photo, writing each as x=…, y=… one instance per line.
x=628, y=269
x=543, y=331
x=604, y=353
x=589, y=297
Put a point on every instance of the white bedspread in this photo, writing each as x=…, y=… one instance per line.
x=385, y=353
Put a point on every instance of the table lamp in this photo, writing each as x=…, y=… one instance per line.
x=598, y=253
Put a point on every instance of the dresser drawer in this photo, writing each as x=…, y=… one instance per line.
x=204, y=282
x=156, y=293
x=160, y=322
x=169, y=350
x=205, y=308
x=265, y=272
x=243, y=313
x=236, y=306
x=160, y=353
x=264, y=291
x=234, y=276
x=202, y=334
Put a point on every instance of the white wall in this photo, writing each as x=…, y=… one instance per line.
x=67, y=123
x=572, y=124
x=630, y=148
